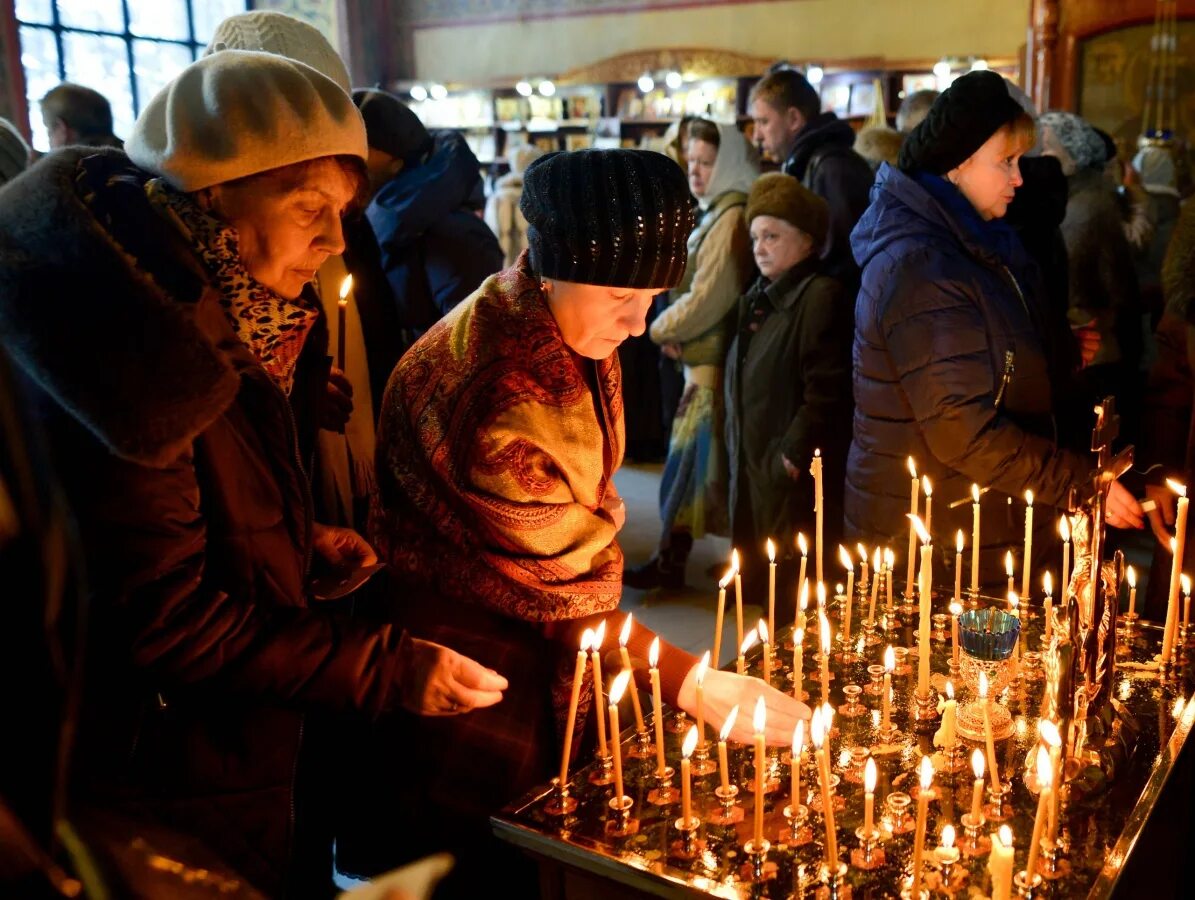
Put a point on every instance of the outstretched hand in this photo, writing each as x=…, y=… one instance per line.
x=723, y=690
x=438, y=681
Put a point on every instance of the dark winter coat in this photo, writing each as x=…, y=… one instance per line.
x=788, y=392
x=180, y=458
x=824, y=160
x=949, y=368
x=436, y=250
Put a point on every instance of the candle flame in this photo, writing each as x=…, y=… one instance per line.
x=345, y=287
x=889, y=659
x=862, y=553
x=845, y=559
x=802, y=544
x=949, y=689
x=619, y=686
x=734, y=560
x=956, y=609
x=869, y=776
x=821, y=595
x=702, y=666
x=1180, y=489
x=948, y=836
x=771, y=551
x=920, y=527
x=1049, y=732
x=975, y=494
x=926, y=773
x=983, y=685
x=804, y=601
x=1013, y=601
x=827, y=719
x=625, y=634
x=726, y=579
x=912, y=468
x=1186, y=583
x=748, y=642
x=877, y=560
x=586, y=639
x=1131, y=574
x=1028, y=498
x=728, y=725
x=816, y=452
x=690, y=743
x=1064, y=529
x=838, y=589
x=889, y=558
x=1047, y=581
x=653, y=654
x=977, y=762
x=958, y=541
x=815, y=729
x=1008, y=564
x=762, y=628
x=760, y=719
x=825, y=632
x=1045, y=772
x=798, y=741
x=599, y=637
x=1005, y=835
x=800, y=637
x=926, y=486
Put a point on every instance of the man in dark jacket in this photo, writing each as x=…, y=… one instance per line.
x=816, y=148
x=425, y=213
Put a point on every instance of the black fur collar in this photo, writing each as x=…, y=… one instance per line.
x=83, y=316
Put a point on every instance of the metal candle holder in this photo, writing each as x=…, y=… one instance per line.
x=876, y=686
x=798, y=833
x=998, y=808
x=688, y=846
x=663, y=794
x=729, y=812
x=757, y=858
x=925, y=709
x=1027, y=885
x=834, y=886
x=702, y=763
x=1052, y=864
x=604, y=773
x=975, y=842
x=643, y=747
x=561, y=803
x=620, y=823
x=852, y=708
x=898, y=803
x=869, y=854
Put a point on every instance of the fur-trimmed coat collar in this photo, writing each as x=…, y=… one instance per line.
x=103, y=306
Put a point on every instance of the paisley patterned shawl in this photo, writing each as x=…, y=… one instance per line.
x=495, y=456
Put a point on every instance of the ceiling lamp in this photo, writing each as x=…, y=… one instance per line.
x=942, y=68
x=524, y=88
x=646, y=83
x=979, y=65
x=418, y=93
x=673, y=80
x=546, y=88
x=438, y=91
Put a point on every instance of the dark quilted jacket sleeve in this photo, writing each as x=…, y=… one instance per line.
x=938, y=345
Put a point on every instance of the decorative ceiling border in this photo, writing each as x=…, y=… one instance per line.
x=459, y=13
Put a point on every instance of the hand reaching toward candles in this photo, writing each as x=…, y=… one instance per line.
x=1123, y=509
x=723, y=690
x=437, y=681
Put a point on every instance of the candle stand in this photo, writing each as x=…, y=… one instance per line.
x=620, y=823
x=797, y=833
x=869, y=854
x=975, y=842
x=688, y=845
x=604, y=773
x=663, y=794
x=833, y=883
x=1027, y=885
x=728, y=812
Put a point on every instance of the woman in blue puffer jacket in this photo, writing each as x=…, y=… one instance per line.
x=951, y=354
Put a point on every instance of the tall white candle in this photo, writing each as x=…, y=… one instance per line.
x=914, y=498
x=599, y=698
x=803, y=546
x=985, y=703
x=885, y=696
x=1027, y=565
x=1000, y=863
x=1180, y=541
x=719, y=612
x=849, y=565
x=616, y=692
x=723, y=736
x=869, y=795
x=623, y=637
x=1064, y=581
x=819, y=511
x=876, y=577
x=798, y=752
x=686, y=777
x=819, y=733
x=958, y=567
x=863, y=583
x=570, y=722
x=657, y=704
x=738, y=596
x=974, y=539
x=977, y=789
x=824, y=627
x=1008, y=571
x=702, y=668
x=771, y=587
x=760, y=722
x=923, y=620
x=926, y=775
x=1045, y=778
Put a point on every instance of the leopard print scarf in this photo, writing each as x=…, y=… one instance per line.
x=273, y=327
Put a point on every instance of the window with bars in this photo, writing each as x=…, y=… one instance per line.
x=125, y=49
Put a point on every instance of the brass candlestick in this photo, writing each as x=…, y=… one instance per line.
x=798, y=833
x=998, y=808
x=876, y=686
x=604, y=773
x=833, y=883
x=729, y=812
x=620, y=823
x=1027, y=885
x=975, y=842
x=664, y=794
x=852, y=708
x=1052, y=864
x=643, y=747
x=561, y=803
x=688, y=845
x=869, y=854
x=757, y=868
x=702, y=763
x=899, y=820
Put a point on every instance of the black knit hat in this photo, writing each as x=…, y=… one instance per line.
x=392, y=126
x=961, y=120
x=612, y=217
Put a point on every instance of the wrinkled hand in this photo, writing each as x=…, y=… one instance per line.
x=414, y=881
x=1123, y=509
x=1163, y=514
x=341, y=548
x=1088, y=339
x=438, y=681
x=672, y=351
x=339, y=405
x=722, y=690
x=792, y=471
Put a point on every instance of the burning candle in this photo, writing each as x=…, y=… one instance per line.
x=771, y=587
x=1014, y=607
x=723, y=767
x=889, y=567
x=914, y=497
x=849, y=565
x=798, y=664
x=1180, y=540
x=1132, y=578
x=946, y=853
x=702, y=666
x=824, y=626
x=885, y=701
x=1049, y=732
x=823, y=769
x=1064, y=532
x=341, y=315
x=923, y=618
x=686, y=778
x=863, y=567
x=1000, y=863
x=947, y=734
x=765, y=639
x=869, y=795
x=623, y=637
x=926, y=776
x=977, y=790
x=803, y=546
x=1186, y=581
x=616, y=692
x=1045, y=778
x=748, y=643
x=795, y=765
x=1028, y=564
x=802, y=605
x=1048, y=585
x=876, y=577
x=975, y=539
x=1008, y=570
x=958, y=567
x=657, y=705
x=570, y=723
x=984, y=703
x=956, y=610
x=815, y=469
x=738, y=596
x=598, y=697
x=928, y=490
x=718, y=613
x=760, y=723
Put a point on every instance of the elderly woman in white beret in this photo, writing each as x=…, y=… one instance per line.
x=158, y=305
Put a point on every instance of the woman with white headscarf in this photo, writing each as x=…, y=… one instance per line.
x=695, y=331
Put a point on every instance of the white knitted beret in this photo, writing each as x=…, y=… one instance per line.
x=276, y=32
x=237, y=113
